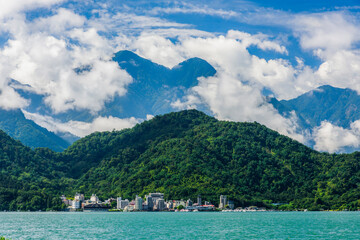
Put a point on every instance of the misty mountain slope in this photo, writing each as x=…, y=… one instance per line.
x=152, y=91
x=288, y=112
x=29, y=133
x=339, y=106
x=155, y=87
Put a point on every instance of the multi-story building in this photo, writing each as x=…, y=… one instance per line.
x=189, y=203
x=149, y=202
x=170, y=205
x=121, y=204
x=79, y=197
x=177, y=203
x=154, y=197
x=199, y=200
x=223, y=201
x=94, y=199
x=138, y=203
x=76, y=204
x=160, y=204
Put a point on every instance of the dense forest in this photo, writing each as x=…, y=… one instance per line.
x=182, y=154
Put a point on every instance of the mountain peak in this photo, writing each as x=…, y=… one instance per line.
x=336, y=105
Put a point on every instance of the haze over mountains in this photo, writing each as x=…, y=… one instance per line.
x=155, y=90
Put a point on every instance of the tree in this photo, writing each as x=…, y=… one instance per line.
x=180, y=207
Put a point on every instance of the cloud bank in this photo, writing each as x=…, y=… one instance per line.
x=65, y=55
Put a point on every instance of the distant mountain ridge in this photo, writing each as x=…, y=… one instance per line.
x=15, y=124
x=155, y=87
x=339, y=106
x=153, y=90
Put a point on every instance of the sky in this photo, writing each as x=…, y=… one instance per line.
x=281, y=48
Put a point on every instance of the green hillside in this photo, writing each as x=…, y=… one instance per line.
x=14, y=123
x=28, y=181
x=188, y=153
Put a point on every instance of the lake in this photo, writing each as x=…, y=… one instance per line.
x=181, y=225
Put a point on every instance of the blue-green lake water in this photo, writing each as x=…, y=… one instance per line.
x=162, y=225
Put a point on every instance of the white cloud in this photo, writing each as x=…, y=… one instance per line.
x=82, y=129
x=159, y=49
x=340, y=70
x=235, y=92
x=332, y=138
x=59, y=23
x=187, y=8
x=129, y=22
x=44, y=54
x=9, y=8
x=229, y=99
x=259, y=40
x=330, y=31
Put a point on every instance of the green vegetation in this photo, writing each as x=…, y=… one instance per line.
x=180, y=207
x=182, y=154
x=14, y=123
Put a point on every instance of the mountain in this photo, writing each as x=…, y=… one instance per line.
x=339, y=106
x=187, y=153
x=14, y=123
x=152, y=91
x=28, y=181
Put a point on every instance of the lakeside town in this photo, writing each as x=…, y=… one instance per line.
x=152, y=202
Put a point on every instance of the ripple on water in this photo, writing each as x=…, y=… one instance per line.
x=216, y=225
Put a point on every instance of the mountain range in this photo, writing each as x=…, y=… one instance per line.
x=339, y=106
x=181, y=154
x=155, y=87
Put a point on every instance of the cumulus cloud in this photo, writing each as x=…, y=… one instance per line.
x=45, y=53
x=330, y=31
x=340, y=69
x=14, y=6
x=82, y=129
x=331, y=138
x=230, y=54
x=229, y=99
x=235, y=92
x=259, y=40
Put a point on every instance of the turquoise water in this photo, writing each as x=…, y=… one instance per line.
x=206, y=225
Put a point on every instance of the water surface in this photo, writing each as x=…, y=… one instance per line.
x=163, y=225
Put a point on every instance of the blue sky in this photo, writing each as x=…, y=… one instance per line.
x=284, y=47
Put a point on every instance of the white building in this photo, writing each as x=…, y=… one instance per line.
x=138, y=203
x=121, y=204
x=160, y=204
x=94, y=199
x=177, y=203
x=79, y=197
x=170, y=205
x=223, y=201
x=76, y=204
x=154, y=197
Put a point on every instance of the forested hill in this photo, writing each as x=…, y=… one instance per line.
x=187, y=153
